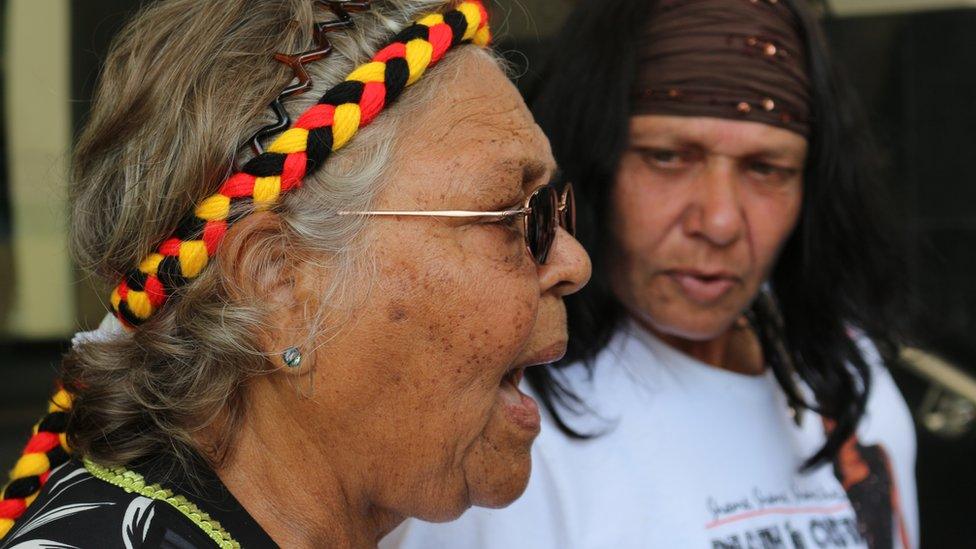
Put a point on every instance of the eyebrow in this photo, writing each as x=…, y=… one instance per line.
x=778, y=154
x=520, y=176
x=533, y=170
x=774, y=151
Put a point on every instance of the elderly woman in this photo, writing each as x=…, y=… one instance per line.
x=726, y=384
x=329, y=342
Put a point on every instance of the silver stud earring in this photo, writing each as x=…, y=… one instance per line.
x=292, y=357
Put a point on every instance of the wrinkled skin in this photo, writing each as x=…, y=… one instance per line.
x=408, y=415
x=701, y=208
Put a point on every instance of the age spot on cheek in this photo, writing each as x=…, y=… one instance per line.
x=397, y=313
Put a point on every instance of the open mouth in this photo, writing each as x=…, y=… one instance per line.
x=514, y=377
x=520, y=408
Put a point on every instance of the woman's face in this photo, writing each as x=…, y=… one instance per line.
x=418, y=389
x=700, y=210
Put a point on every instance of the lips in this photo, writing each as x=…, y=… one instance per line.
x=705, y=287
x=520, y=408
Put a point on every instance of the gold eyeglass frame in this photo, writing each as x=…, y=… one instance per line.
x=564, y=214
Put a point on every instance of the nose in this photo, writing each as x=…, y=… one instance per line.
x=715, y=213
x=568, y=267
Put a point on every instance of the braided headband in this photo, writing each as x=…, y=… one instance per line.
x=321, y=130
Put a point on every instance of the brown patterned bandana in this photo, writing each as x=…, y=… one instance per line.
x=735, y=59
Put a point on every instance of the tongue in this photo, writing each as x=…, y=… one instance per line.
x=510, y=393
x=519, y=407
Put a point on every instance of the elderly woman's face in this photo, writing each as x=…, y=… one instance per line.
x=701, y=208
x=418, y=389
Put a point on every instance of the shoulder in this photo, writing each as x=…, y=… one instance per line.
x=887, y=419
x=76, y=509
x=886, y=412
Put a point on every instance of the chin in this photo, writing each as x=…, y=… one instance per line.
x=504, y=485
x=445, y=513
x=690, y=325
x=510, y=490
x=494, y=493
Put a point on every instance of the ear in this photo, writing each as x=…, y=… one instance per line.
x=257, y=268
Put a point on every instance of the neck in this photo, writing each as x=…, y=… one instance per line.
x=298, y=491
x=736, y=349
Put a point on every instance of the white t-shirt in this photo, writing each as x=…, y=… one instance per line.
x=695, y=456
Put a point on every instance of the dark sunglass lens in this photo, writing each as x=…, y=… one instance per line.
x=568, y=215
x=542, y=223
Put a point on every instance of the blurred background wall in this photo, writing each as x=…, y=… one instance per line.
x=911, y=60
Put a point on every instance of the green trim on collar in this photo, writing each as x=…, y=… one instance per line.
x=133, y=482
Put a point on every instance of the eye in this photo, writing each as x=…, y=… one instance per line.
x=507, y=221
x=508, y=228
x=663, y=158
x=511, y=221
x=771, y=172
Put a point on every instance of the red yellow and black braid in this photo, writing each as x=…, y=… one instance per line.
x=321, y=130
x=46, y=449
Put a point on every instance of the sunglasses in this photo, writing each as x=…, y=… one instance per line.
x=543, y=212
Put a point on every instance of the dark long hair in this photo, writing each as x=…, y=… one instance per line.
x=840, y=274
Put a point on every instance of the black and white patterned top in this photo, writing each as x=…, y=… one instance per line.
x=76, y=509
